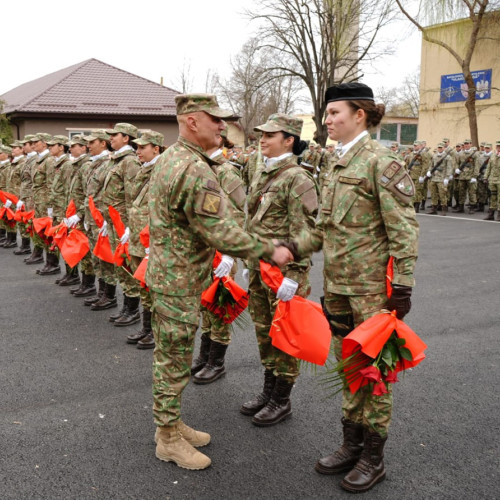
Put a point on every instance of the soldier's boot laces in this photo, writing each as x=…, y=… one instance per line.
x=214, y=367
x=202, y=358
x=258, y=402
x=369, y=470
x=131, y=315
x=193, y=437
x=346, y=457
x=279, y=406
x=173, y=447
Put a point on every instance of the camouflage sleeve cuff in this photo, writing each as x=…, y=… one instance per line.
x=267, y=249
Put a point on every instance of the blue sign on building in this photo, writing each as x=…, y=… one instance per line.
x=454, y=87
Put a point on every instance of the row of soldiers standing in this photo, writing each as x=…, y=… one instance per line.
x=458, y=174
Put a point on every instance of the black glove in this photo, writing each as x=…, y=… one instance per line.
x=400, y=300
x=292, y=246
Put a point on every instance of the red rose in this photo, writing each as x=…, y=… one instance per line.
x=392, y=377
x=371, y=373
x=379, y=389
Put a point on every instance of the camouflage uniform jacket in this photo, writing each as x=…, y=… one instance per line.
x=139, y=210
x=482, y=161
x=288, y=206
x=59, y=188
x=119, y=182
x=187, y=220
x=77, y=180
x=311, y=158
x=250, y=168
x=4, y=172
x=42, y=175
x=470, y=169
x=96, y=174
x=445, y=169
x=415, y=165
x=492, y=174
x=367, y=215
x=26, y=193
x=14, y=175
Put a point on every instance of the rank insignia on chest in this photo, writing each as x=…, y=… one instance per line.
x=211, y=203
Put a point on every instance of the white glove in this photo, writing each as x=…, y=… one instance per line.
x=429, y=174
x=473, y=180
x=125, y=237
x=8, y=204
x=224, y=268
x=50, y=212
x=246, y=276
x=147, y=251
x=287, y=290
x=315, y=176
x=421, y=180
x=104, y=229
x=451, y=177
x=72, y=221
x=458, y=171
x=445, y=182
x=19, y=205
x=86, y=226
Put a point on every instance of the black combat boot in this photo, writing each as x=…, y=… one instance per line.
x=148, y=342
x=25, y=248
x=131, y=314
x=432, y=211
x=72, y=277
x=444, y=209
x=256, y=404
x=107, y=301
x=472, y=208
x=3, y=236
x=416, y=206
x=214, y=367
x=480, y=207
x=202, y=358
x=278, y=407
x=422, y=205
x=370, y=468
x=11, y=241
x=100, y=293
x=36, y=257
x=121, y=312
x=87, y=287
x=490, y=216
x=52, y=265
x=459, y=209
x=346, y=457
x=133, y=338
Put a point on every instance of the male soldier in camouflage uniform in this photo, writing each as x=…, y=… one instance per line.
x=492, y=178
x=426, y=163
x=118, y=191
x=5, y=152
x=482, y=161
x=187, y=220
x=415, y=166
x=282, y=202
x=456, y=157
x=311, y=158
x=149, y=148
x=466, y=175
x=252, y=165
x=439, y=175
x=366, y=217
x=215, y=334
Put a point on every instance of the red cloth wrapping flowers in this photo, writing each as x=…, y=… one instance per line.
x=121, y=250
x=102, y=248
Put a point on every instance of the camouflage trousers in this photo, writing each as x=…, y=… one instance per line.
x=373, y=412
x=262, y=305
x=143, y=293
x=439, y=195
x=482, y=192
x=450, y=191
x=466, y=188
x=174, y=323
x=421, y=190
x=493, y=197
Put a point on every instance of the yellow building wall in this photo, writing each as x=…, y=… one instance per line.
x=438, y=120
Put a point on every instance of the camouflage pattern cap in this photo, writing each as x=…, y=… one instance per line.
x=467, y=141
x=150, y=137
x=17, y=144
x=279, y=122
x=460, y=144
x=312, y=143
x=41, y=136
x=441, y=145
x=497, y=143
x=100, y=134
x=78, y=139
x=5, y=149
x=124, y=128
x=190, y=103
x=487, y=145
x=395, y=145
x=482, y=144
x=416, y=143
x=28, y=138
x=58, y=139
x=445, y=139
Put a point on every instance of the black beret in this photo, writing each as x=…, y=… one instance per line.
x=349, y=92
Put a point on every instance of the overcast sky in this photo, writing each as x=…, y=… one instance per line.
x=151, y=38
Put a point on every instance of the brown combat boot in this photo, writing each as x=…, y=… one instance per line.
x=256, y=404
x=25, y=247
x=490, y=215
x=193, y=437
x=214, y=368
x=100, y=293
x=202, y=358
x=370, y=468
x=87, y=286
x=432, y=211
x=131, y=314
x=278, y=408
x=133, y=338
x=173, y=447
x=107, y=301
x=444, y=209
x=459, y=209
x=346, y=457
x=36, y=257
x=52, y=266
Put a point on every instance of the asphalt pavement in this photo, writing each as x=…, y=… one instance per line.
x=75, y=399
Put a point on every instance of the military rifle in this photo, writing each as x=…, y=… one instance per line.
x=417, y=156
x=483, y=166
x=438, y=164
x=465, y=163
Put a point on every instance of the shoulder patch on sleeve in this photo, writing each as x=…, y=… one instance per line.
x=401, y=187
x=211, y=203
x=389, y=172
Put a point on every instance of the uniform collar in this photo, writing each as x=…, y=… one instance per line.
x=17, y=158
x=353, y=150
x=270, y=162
x=152, y=162
x=345, y=148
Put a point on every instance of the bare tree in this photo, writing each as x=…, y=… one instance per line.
x=403, y=100
x=476, y=12
x=6, y=135
x=183, y=81
x=321, y=42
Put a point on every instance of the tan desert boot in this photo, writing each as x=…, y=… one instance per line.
x=193, y=437
x=172, y=447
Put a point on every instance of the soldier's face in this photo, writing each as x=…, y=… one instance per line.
x=77, y=150
x=56, y=150
x=39, y=146
x=343, y=124
x=17, y=151
x=118, y=141
x=3, y=156
x=27, y=148
x=96, y=147
x=208, y=130
x=274, y=144
x=147, y=152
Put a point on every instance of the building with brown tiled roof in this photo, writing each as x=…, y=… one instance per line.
x=88, y=95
